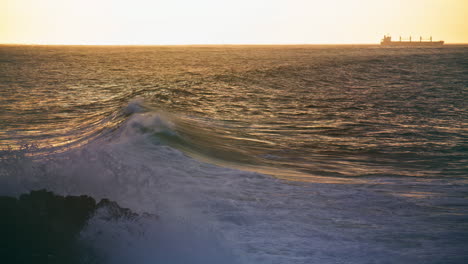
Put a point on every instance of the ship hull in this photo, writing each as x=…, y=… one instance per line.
x=412, y=43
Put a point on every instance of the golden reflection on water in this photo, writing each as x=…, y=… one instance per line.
x=294, y=112
x=417, y=194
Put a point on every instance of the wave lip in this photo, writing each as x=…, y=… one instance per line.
x=134, y=106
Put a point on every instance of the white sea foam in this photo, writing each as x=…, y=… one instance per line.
x=134, y=106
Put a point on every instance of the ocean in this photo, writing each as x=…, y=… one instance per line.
x=242, y=154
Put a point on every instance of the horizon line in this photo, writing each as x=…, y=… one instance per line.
x=206, y=44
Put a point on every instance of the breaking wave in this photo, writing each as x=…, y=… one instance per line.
x=210, y=212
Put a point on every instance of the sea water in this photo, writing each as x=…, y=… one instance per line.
x=246, y=154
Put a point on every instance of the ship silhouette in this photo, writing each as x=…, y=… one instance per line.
x=387, y=41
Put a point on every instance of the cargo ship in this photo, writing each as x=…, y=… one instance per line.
x=387, y=41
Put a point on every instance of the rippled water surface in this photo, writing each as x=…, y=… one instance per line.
x=284, y=154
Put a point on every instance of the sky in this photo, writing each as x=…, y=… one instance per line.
x=165, y=22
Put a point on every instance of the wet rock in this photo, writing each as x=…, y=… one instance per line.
x=41, y=227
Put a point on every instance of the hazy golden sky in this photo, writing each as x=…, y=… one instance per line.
x=229, y=21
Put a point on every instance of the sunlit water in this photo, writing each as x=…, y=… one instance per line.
x=260, y=154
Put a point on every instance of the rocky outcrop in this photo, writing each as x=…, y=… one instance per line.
x=41, y=227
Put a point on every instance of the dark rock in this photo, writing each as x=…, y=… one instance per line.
x=41, y=227
x=114, y=211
